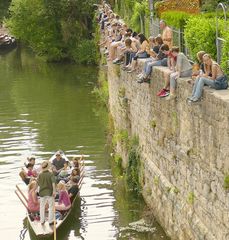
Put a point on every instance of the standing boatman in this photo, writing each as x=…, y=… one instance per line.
x=47, y=191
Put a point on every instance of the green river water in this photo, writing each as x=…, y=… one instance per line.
x=45, y=107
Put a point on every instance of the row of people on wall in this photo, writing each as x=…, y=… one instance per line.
x=123, y=46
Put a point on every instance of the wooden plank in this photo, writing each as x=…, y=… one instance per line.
x=43, y=230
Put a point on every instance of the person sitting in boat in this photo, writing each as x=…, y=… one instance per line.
x=64, y=173
x=25, y=178
x=58, y=163
x=64, y=202
x=72, y=185
x=33, y=202
x=76, y=161
x=32, y=160
x=31, y=172
x=27, y=173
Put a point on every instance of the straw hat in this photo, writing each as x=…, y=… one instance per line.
x=45, y=165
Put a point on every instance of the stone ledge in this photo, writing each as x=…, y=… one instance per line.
x=221, y=95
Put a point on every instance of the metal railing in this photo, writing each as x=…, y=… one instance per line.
x=178, y=35
x=219, y=40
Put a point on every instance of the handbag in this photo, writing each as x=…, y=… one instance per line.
x=221, y=82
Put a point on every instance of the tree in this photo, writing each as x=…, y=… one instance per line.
x=53, y=28
x=210, y=5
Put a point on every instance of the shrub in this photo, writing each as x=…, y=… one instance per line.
x=176, y=18
x=122, y=137
x=199, y=35
x=225, y=52
x=101, y=91
x=133, y=171
x=86, y=52
x=210, y=5
x=135, y=13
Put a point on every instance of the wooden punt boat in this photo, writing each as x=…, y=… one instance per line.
x=47, y=230
x=7, y=42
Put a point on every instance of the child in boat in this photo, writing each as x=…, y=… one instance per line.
x=64, y=173
x=30, y=171
x=76, y=161
x=72, y=185
x=33, y=202
x=64, y=202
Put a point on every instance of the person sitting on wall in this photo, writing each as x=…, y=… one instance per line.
x=156, y=57
x=183, y=69
x=218, y=80
x=143, y=52
x=160, y=60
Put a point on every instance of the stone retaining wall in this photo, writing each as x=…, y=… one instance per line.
x=184, y=151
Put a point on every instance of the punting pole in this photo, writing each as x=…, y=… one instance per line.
x=23, y=195
x=54, y=220
x=22, y=201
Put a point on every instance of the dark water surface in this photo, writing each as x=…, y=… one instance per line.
x=44, y=107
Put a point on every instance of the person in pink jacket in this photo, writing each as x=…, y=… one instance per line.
x=64, y=202
x=33, y=202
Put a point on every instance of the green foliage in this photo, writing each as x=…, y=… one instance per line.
x=176, y=19
x=153, y=123
x=174, y=190
x=122, y=137
x=133, y=171
x=135, y=13
x=118, y=160
x=225, y=51
x=191, y=198
x=156, y=180
x=4, y=5
x=226, y=182
x=210, y=5
x=200, y=35
x=122, y=92
x=140, y=10
x=214, y=14
x=101, y=91
x=86, y=52
x=54, y=28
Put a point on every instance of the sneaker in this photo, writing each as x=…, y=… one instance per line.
x=193, y=100
x=189, y=98
x=131, y=70
x=140, y=81
x=163, y=93
x=171, y=97
x=115, y=61
x=140, y=75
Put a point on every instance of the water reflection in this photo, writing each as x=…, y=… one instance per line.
x=45, y=107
